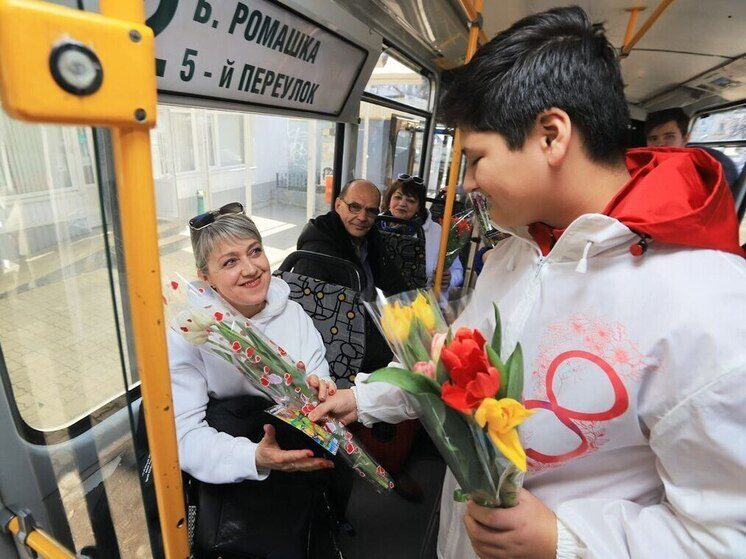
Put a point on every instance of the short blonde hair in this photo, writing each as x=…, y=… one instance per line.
x=226, y=227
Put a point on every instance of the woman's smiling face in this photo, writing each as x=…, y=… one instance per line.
x=239, y=270
x=403, y=205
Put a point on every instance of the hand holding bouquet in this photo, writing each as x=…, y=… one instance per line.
x=468, y=398
x=202, y=317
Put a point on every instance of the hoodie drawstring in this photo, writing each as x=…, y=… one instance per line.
x=582, y=266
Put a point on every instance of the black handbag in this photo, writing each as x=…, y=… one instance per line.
x=270, y=519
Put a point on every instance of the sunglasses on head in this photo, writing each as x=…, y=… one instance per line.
x=404, y=177
x=203, y=220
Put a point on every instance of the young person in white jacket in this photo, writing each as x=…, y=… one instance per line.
x=229, y=255
x=405, y=199
x=626, y=287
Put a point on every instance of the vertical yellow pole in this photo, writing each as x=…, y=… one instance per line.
x=471, y=48
x=135, y=191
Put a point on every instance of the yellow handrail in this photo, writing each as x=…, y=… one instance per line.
x=134, y=178
x=41, y=542
x=471, y=48
x=627, y=47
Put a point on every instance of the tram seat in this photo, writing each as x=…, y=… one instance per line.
x=335, y=308
x=404, y=245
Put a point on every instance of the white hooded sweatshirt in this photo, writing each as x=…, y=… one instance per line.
x=197, y=375
x=635, y=367
x=432, y=247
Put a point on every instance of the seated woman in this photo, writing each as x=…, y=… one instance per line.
x=229, y=444
x=405, y=199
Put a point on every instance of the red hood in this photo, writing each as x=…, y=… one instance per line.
x=675, y=195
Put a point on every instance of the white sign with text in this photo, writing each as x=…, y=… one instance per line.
x=251, y=51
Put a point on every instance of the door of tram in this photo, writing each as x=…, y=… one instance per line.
x=405, y=143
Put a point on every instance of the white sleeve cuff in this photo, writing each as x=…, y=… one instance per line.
x=568, y=546
x=241, y=464
x=379, y=401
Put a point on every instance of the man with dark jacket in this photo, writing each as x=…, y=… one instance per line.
x=348, y=232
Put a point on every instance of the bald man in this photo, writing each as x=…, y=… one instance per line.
x=347, y=232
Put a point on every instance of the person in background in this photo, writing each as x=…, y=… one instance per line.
x=669, y=128
x=625, y=285
x=348, y=232
x=405, y=199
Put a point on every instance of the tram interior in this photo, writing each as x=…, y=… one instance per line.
x=65, y=361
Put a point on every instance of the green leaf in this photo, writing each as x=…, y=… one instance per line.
x=497, y=334
x=449, y=337
x=441, y=374
x=502, y=368
x=408, y=381
x=515, y=374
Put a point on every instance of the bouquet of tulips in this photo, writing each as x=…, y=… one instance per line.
x=459, y=233
x=467, y=397
x=198, y=313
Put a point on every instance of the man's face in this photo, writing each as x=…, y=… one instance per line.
x=666, y=135
x=516, y=183
x=358, y=209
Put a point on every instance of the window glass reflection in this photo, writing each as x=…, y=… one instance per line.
x=279, y=168
x=394, y=79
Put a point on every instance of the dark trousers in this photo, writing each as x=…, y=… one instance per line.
x=272, y=518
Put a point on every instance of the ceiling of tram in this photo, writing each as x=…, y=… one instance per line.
x=690, y=38
x=693, y=56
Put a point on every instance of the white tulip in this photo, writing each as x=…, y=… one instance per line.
x=194, y=325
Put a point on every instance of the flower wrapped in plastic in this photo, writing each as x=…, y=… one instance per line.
x=198, y=313
x=489, y=233
x=459, y=234
x=467, y=398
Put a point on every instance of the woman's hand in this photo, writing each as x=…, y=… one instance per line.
x=342, y=407
x=322, y=387
x=269, y=455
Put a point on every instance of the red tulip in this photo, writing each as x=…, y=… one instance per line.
x=472, y=378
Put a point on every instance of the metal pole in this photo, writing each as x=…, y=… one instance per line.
x=135, y=191
x=455, y=160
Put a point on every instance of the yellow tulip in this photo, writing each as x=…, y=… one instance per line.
x=502, y=417
x=424, y=312
x=396, y=321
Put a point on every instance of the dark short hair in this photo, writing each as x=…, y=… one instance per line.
x=551, y=59
x=675, y=114
x=408, y=188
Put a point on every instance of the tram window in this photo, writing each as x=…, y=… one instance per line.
x=395, y=79
x=57, y=324
x=183, y=137
x=389, y=143
x=722, y=130
x=722, y=126
x=275, y=166
x=440, y=159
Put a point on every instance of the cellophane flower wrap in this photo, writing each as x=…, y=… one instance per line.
x=459, y=234
x=467, y=398
x=198, y=313
x=489, y=233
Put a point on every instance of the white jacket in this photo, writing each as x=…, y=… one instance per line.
x=197, y=375
x=636, y=367
x=432, y=246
